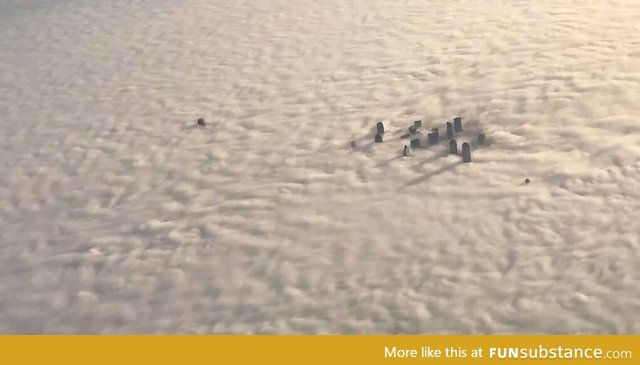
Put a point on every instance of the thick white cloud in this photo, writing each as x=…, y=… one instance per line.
x=119, y=216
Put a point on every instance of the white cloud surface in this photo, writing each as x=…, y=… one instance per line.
x=118, y=216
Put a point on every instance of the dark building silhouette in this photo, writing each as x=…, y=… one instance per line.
x=415, y=143
x=453, y=147
x=378, y=138
x=407, y=151
x=481, y=139
x=466, y=152
x=417, y=124
x=431, y=139
x=449, y=130
x=457, y=124
x=380, y=128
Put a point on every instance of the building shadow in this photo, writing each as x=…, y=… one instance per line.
x=429, y=175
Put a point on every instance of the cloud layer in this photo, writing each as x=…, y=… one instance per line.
x=119, y=216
